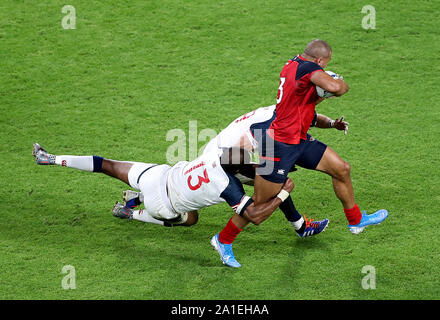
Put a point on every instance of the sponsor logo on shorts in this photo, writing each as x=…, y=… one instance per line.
x=280, y=171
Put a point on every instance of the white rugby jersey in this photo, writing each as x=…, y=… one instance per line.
x=239, y=128
x=203, y=182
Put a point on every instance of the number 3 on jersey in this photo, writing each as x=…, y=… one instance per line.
x=280, y=89
x=205, y=179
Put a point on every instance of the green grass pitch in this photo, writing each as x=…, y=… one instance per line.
x=133, y=70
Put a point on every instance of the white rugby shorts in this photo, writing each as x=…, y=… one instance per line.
x=150, y=179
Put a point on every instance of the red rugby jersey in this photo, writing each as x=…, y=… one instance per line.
x=296, y=101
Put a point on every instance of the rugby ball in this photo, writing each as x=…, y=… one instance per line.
x=323, y=93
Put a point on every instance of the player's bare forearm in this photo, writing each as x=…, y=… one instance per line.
x=323, y=121
x=342, y=87
x=336, y=86
x=258, y=213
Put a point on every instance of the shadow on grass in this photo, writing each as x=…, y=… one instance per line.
x=167, y=247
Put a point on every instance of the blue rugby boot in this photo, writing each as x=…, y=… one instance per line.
x=225, y=252
x=368, y=219
x=312, y=228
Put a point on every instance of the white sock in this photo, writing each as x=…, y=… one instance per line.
x=298, y=223
x=144, y=216
x=84, y=163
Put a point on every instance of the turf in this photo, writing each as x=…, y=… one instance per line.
x=133, y=70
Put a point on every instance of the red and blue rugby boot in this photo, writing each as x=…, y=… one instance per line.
x=312, y=228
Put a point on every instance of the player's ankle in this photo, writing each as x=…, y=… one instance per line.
x=298, y=224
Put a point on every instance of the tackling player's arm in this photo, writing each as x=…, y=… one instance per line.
x=258, y=213
x=336, y=86
x=244, y=206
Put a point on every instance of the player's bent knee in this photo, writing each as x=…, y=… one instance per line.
x=347, y=169
x=343, y=170
x=185, y=220
x=181, y=219
x=192, y=218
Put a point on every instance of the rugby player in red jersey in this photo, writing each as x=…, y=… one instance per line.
x=287, y=140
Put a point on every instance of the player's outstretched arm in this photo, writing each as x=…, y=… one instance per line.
x=258, y=213
x=325, y=122
x=336, y=86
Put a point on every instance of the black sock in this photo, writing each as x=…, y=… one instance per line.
x=97, y=164
x=289, y=210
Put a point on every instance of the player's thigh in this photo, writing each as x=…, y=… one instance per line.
x=332, y=164
x=276, y=160
x=137, y=170
x=153, y=186
x=117, y=169
x=265, y=189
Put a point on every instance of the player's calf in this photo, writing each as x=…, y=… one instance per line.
x=124, y=212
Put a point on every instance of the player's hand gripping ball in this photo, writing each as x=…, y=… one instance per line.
x=323, y=93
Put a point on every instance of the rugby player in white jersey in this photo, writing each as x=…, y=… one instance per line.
x=172, y=195
x=243, y=133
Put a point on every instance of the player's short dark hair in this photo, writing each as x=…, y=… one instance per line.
x=234, y=160
x=234, y=155
x=318, y=49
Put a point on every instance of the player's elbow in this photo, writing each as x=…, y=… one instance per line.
x=334, y=87
x=340, y=88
